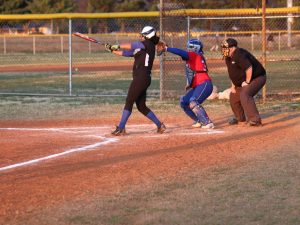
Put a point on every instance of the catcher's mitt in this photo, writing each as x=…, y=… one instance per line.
x=161, y=48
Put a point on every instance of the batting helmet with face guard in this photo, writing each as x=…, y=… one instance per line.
x=195, y=45
x=148, y=32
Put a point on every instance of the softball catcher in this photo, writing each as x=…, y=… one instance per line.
x=199, y=85
x=143, y=52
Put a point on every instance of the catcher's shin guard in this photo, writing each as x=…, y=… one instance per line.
x=200, y=112
x=188, y=110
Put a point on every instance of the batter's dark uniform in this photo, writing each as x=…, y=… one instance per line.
x=143, y=62
x=242, y=102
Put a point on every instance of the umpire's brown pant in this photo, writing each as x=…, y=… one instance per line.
x=242, y=102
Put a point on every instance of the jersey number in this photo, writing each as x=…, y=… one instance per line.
x=147, y=60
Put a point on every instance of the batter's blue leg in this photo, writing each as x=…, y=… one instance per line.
x=125, y=115
x=153, y=118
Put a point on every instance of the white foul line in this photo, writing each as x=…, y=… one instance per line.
x=85, y=148
x=88, y=147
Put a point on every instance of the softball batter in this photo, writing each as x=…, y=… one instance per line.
x=143, y=52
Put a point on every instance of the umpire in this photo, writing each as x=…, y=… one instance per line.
x=247, y=77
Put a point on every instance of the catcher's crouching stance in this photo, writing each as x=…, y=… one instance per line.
x=199, y=84
x=143, y=52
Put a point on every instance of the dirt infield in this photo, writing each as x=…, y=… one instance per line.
x=45, y=164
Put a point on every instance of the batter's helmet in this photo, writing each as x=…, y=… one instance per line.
x=148, y=32
x=195, y=45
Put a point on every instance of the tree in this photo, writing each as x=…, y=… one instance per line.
x=13, y=6
x=100, y=6
x=51, y=6
x=96, y=6
x=132, y=5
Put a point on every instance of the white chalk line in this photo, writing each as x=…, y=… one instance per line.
x=64, y=130
x=85, y=148
x=209, y=132
x=97, y=144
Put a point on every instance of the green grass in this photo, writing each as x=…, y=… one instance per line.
x=118, y=83
x=283, y=77
x=56, y=58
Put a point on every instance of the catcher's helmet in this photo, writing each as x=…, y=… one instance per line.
x=195, y=45
x=226, y=44
x=148, y=32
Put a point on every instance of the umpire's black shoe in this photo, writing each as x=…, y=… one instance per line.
x=233, y=121
x=161, y=129
x=118, y=131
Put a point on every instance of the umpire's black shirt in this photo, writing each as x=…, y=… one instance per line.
x=239, y=62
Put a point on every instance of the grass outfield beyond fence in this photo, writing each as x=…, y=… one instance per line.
x=107, y=74
x=117, y=83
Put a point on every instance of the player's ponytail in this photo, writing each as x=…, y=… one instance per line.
x=154, y=39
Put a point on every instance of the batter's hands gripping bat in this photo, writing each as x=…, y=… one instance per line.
x=87, y=38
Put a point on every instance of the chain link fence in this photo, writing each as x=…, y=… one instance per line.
x=282, y=42
x=39, y=57
x=36, y=57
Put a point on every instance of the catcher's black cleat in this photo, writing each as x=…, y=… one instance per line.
x=161, y=129
x=118, y=131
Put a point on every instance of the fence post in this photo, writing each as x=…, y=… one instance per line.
x=33, y=44
x=161, y=58
x=252, y=41
x=279, y=41
x=264, y=44
x=289, y=24
x=70, y=57
x=188, y=28
x=62, y=44
x=4, y=45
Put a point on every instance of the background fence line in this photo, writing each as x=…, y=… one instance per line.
x=39, y=56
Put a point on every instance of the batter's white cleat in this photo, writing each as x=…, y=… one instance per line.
x=196, y=125
x=208, y=126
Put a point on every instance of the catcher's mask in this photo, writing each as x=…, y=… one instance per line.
x=148, y=32
x=226, y=45
x=194, y=45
